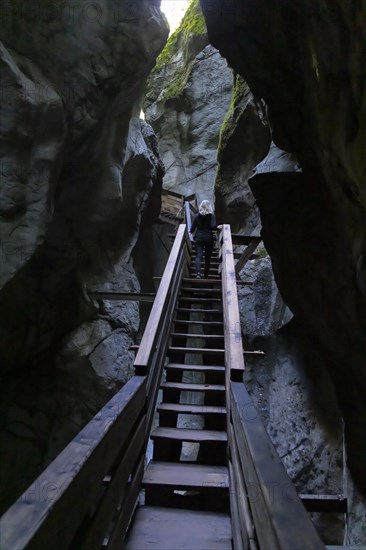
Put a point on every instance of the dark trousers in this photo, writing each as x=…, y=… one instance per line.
x=201, y=246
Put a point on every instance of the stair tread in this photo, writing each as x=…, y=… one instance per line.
x=185, y=476
x=190, y=408
x=186, y=434
x=201, y=289
x=199, y=368
x=183, y=386
x=157, y=528
x=206, y=351
x=202, y=336
x=196, y=310
x=186, y=322
x=200, y=281
x=198, y=299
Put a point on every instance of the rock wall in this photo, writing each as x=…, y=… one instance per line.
x=188, y=95
x=80, y=178
x=306, y=62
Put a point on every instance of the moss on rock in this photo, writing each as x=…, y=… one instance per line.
x=240, y=90
x=174, y=79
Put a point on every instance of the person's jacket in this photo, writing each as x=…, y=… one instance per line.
x=203, y=225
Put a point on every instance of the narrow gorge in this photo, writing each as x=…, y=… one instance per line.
x=258, y=107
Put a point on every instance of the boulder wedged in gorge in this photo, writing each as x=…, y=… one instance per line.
x=80, y=177
x=306, y=61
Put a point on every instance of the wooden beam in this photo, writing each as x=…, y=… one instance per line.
x=123, y=296
x=247, y=254
x=234, y=360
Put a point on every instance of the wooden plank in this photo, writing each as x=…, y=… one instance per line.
x=325, y=503
x=127, y=508
x=196, y=310
x=204, y=351
x=185, y=434
x=203, y=323
x=182, y=386
x=246, y=256
x=191, y=290
x=197, y=299
x=190, y=408
x=170, y=193
x=186, y=476
x=198, y=368
x=240, y=542
x=156, y=528
x=277, y=510
x=234, y=359
x=124, y=296
x=116, y=488
x=246, y=519
x=200, y=336
x=201, y=281
x=38, y=518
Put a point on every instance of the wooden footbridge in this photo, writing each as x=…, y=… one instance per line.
x=215, y=482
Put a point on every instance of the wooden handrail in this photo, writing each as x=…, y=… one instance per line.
x=234, y=360
x=271, y=501
x=73, y=489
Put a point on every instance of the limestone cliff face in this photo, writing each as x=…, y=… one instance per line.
x=306, y=62
x=188, y=95
x=80, y=175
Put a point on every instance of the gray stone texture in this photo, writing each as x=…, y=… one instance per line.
x=305, y=61
x=80, y=178
x=188, y=125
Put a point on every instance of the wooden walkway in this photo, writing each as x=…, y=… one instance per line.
x=214, y=481
x=187, y=502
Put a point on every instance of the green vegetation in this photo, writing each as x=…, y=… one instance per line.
x=240, y=89
x=192, y=23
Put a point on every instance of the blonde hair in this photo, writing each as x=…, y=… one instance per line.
x=205, y=208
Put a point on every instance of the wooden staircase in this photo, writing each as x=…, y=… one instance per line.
x=214, y=480
x=187, y=493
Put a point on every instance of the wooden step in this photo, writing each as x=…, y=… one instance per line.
x=182, y=386
x=186, y=434
x=195, y=310
x=200, y=281
x=195, y=368
x=209, y=323
x=208, y=351
x=179, y=408
x=203, y=351
x=186, y=476
x=157, y=528
x=202, y=336
x=197, y=299
x=206, y=290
